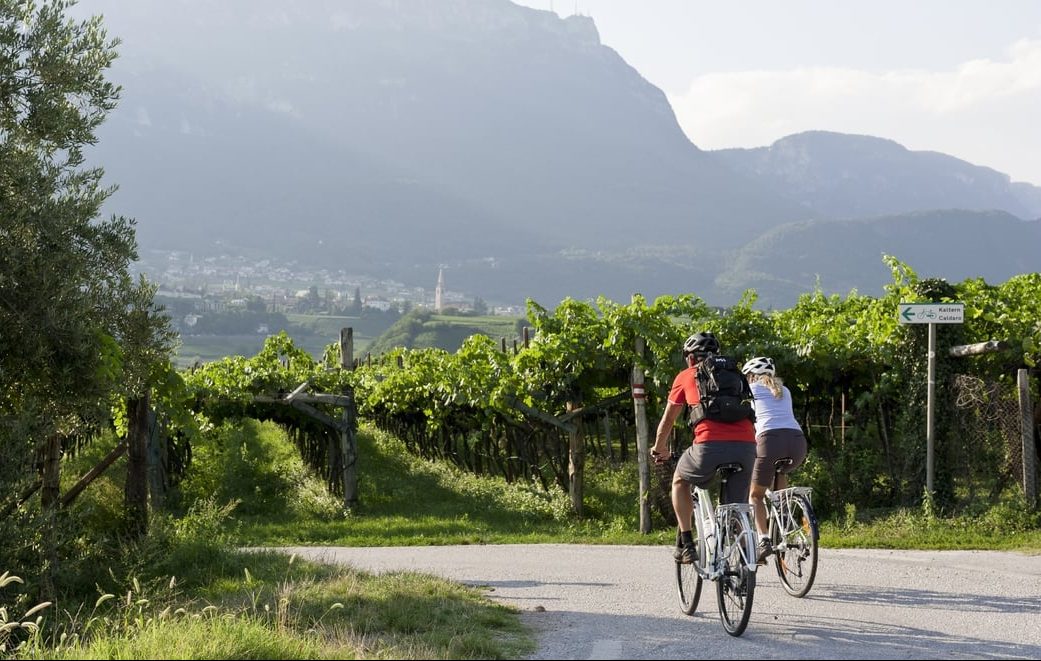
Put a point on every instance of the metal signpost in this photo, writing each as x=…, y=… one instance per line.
x=932, y=314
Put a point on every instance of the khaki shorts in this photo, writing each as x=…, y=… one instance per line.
x=774, y=444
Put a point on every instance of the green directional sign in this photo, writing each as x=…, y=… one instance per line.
x=931, y=313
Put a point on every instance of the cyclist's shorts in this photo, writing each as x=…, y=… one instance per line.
x=774, y=444
x=698, y=465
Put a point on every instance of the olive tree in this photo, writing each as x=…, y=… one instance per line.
x=76, y=330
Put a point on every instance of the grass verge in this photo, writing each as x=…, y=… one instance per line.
x=406, y=500
x=185, y=593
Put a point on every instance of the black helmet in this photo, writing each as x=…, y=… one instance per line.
x=701, y=343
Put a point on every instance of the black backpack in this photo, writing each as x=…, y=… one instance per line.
x=725, y=394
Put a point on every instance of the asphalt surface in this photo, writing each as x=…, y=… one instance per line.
x=619, y=602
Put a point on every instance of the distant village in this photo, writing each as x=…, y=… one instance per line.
x=192, y=287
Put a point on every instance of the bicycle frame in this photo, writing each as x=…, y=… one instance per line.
x=779, y=511
x=711, y=547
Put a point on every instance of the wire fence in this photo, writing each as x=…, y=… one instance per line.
x=984, y=454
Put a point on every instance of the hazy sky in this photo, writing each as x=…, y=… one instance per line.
x=961, y=77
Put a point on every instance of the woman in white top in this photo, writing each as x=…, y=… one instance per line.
x=777, y=434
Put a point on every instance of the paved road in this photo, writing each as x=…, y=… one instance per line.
x=619, y=602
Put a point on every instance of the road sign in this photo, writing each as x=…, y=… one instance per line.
x=931, y=313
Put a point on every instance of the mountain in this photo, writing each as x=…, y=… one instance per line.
x=835, y=175
x=391, y=137
x=840, y=256
x=387, y=134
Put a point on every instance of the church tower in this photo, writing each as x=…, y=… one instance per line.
x=440, y=291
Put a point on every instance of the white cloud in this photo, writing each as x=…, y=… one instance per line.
x=983, y=111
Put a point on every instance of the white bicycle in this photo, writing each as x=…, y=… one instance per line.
x=794, y=534
x=726, y=554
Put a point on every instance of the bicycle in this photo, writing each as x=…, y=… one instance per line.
x=794, y=534
x=726, y=554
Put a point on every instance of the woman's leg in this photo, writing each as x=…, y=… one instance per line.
x=757, y=498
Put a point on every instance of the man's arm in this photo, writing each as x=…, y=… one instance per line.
x=661, y=439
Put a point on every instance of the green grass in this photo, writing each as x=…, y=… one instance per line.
x=422, y=329
x=208, y=348
x=216, y=603
x=312, y=333
x=492, y=326
x=1007, y=526
x=323, y=324
x=405, y=500
x=184, y=591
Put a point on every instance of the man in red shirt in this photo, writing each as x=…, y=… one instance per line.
x=715, y=443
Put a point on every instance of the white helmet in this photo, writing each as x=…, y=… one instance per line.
x=759, y=365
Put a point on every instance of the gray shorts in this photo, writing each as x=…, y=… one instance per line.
x=774, y=444
x=698, y=465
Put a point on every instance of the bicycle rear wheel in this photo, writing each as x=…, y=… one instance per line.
x=797, y=562
x=688, y=580
x=735, y=589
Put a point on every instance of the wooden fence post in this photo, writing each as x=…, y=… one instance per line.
x=642, y=441
x=1026, y=414
x=157, y=446
x=50, y=500
x=576, y=460
x=50, y=493
x=136, y=491
x=348, y=443
x=526, y=337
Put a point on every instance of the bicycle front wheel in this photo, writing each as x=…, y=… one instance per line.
x=688, y=583
x=796, y=561
x=735, y=589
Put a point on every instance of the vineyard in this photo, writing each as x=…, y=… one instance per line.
x=858, y=377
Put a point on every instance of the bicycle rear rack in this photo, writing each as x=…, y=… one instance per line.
x=782, y=495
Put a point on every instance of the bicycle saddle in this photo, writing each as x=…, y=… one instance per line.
x=728, y=469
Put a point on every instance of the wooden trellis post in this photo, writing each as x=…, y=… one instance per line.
x=576, y=460
x=348, y=443
x=1026, y=414
x=136, y=491
x=642, y=442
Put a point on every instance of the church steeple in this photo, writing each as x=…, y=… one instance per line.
x=440, y=291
